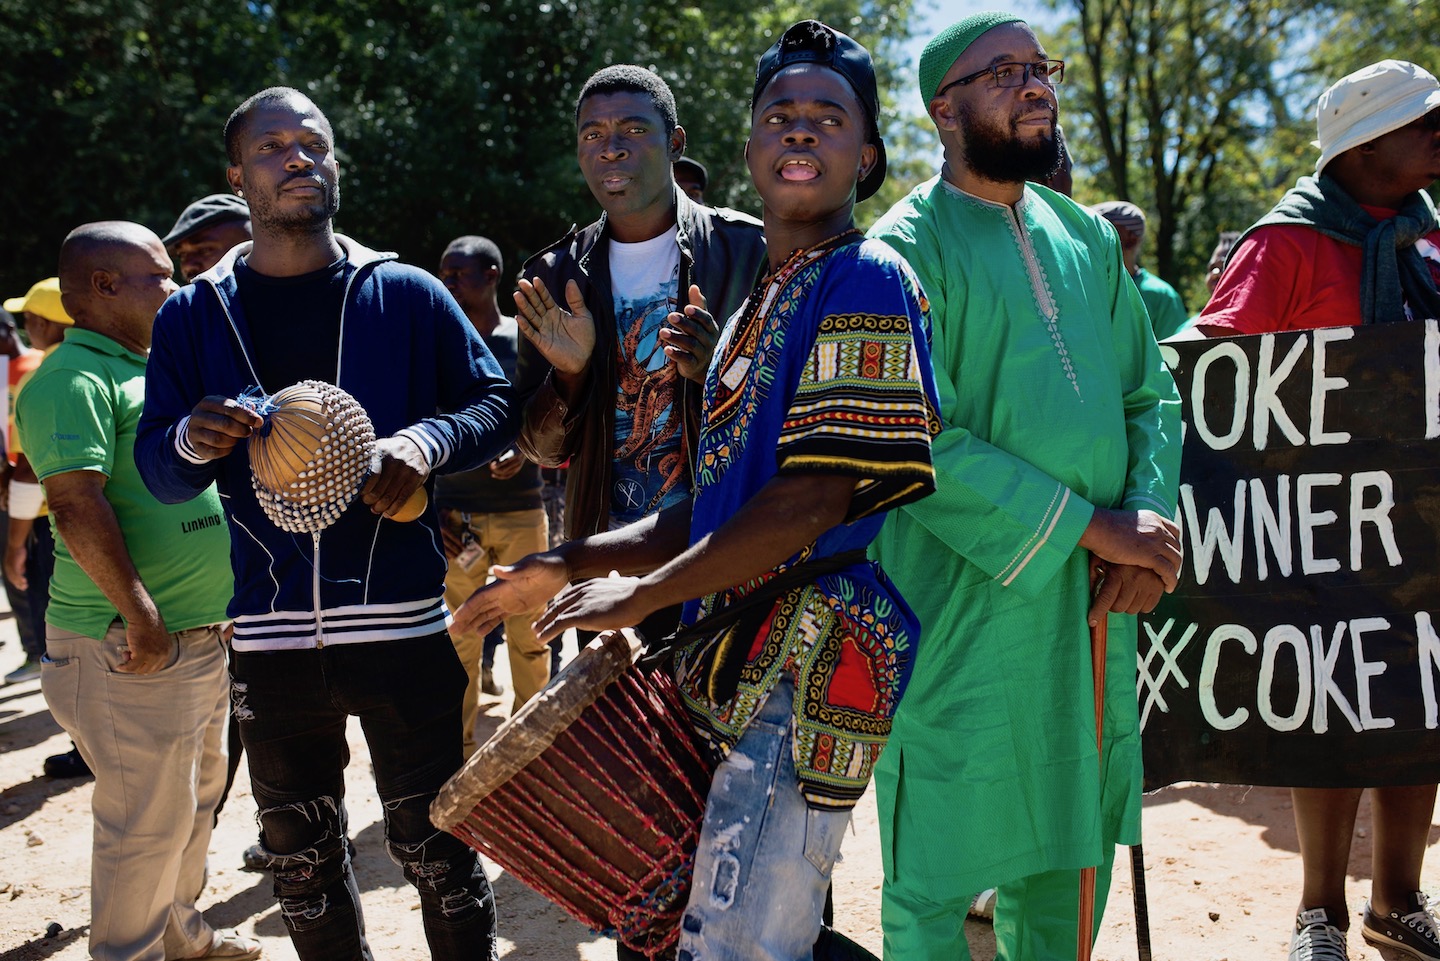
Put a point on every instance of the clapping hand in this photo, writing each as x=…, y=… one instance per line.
x=565, y=338
x=690, y=336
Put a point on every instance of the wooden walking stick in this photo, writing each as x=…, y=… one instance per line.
x=1086, y=930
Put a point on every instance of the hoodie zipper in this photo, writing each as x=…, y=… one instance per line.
x=315, y=581
x=339, y=357
x=315, y=558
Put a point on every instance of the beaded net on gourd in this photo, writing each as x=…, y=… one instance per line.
x=310, y=458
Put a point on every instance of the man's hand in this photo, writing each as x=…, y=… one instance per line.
x=218, y=423
x=690, y=337
x=507, y=465
x=1123, y=589
x=1139, y=538
x=398, y=469
x=148, y=648
x=565, y=338
x=15, y=566
x=523, y=586
x=603, y=604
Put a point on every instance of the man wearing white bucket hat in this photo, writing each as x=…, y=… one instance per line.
x=1355, y=244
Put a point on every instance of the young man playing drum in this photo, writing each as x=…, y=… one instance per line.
x=818, y=411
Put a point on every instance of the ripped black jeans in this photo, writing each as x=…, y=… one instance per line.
x=292, y=708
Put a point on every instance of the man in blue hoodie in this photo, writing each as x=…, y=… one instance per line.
x=349, y=621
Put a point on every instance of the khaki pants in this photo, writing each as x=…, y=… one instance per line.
x=157, y=746
x=504, y=539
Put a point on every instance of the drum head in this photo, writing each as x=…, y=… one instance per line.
x=533, y=728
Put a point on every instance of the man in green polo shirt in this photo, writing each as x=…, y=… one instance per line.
x=135, y=666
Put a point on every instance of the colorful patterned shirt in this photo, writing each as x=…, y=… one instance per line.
x=825, y=369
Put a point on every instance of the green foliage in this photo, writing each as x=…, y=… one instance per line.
x=1360, y=32
x=1189, y=109
x=449, y=118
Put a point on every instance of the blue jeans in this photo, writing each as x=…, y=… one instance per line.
x=292, y=708
x=763, y=862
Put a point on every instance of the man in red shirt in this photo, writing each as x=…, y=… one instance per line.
x=1355, y=244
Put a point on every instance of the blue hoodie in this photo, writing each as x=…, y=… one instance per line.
x=406, y=352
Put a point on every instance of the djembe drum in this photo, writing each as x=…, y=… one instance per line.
x=593, y=795
x=312, y=455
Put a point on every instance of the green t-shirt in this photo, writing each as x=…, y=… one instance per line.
x=1166, y=309
x=79, y=412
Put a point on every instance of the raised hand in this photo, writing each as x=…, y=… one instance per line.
x=690, y=337
x=523, y=586
x=566, y=338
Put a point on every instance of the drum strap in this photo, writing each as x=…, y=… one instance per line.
x=735, y=625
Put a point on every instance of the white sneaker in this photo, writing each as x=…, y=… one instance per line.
x=1316, y=939
x=983, y=907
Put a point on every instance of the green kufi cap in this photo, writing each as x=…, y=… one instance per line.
x=947, y=46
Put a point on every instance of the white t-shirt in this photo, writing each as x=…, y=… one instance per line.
x=649, y=472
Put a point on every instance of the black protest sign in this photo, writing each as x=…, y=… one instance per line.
x=1302, y=645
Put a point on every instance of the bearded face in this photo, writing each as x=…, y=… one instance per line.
x=996, y=150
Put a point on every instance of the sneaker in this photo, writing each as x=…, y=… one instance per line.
x=487, y=683
x=231, y=945
x=69, y=764
x=257, y=859
x=1316, y=939
x=983, y=907
x=25, y=672
x=1414, y=933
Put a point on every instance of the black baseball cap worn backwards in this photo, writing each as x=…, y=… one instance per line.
x=811, y=41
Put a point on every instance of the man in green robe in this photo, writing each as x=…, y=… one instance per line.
x=1162, y=302
x=1056, y=477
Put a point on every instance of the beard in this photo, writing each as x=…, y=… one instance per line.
x=998, y=153
x=308, y=218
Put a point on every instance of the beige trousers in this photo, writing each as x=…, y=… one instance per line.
x=503, y=539
x=157, y=746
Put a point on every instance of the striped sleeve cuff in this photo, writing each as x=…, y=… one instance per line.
x=182, y=443
x=432, y=443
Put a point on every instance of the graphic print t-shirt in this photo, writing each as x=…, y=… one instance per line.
x=649, y=470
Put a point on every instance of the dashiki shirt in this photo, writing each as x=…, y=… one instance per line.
x=825, y=369
x=1054, y=401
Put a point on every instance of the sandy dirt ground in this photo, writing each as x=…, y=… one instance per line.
x=1222, y=866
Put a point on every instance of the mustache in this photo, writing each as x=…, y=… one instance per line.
x=1044, y=105
x=308, y=178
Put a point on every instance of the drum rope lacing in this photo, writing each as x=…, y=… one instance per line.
x=644, y=911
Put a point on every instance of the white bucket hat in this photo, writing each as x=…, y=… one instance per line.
x=1370, y=103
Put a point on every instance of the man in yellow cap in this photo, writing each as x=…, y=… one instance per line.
x=1056, y=469
x=30, y=543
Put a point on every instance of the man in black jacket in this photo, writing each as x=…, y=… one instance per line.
x=626, y=423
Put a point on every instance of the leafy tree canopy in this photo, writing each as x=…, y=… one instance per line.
x=449, y=118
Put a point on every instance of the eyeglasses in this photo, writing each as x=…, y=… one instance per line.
x=1048, y=72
